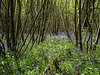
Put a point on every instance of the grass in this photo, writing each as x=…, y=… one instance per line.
x=36, y=61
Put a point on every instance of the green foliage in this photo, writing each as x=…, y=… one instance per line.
x=34, y=61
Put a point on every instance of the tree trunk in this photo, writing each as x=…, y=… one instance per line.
x=76, y=29
x=80, y=38
x=12, y=25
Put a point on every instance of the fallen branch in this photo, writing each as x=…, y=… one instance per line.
x=56, y=62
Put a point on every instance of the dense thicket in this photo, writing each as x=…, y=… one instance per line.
x=37, y=18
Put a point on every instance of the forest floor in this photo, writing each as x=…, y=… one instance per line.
x=54, y=56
